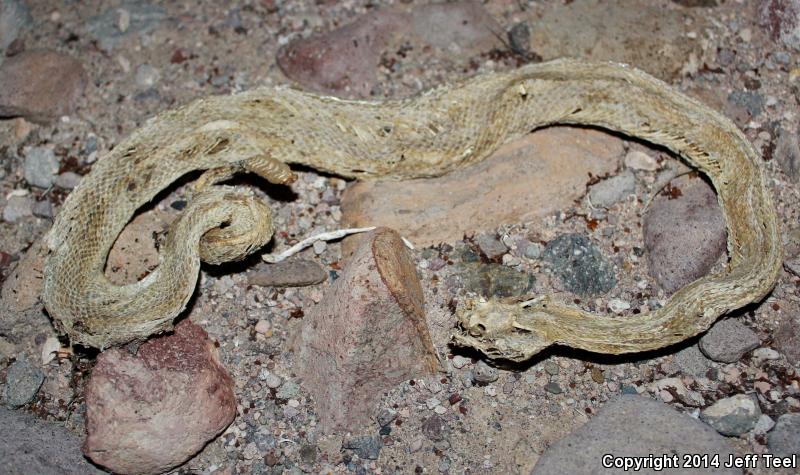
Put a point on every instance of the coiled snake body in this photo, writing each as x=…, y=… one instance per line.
x=445, y=128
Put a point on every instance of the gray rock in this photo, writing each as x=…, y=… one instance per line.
x=751, y=101
x=290, y=273
x=31, y=445
x=519, y=37
x=484, y=374
x=787, y=337
x=287, y=390
x=684, y=233
x=147, y=75
x=728, y=340
x=551, y=368
x=787, y=153
x=784, y=440
x=143, y=17
x=633, y=426
x=366, y=447
x=41, y=166
x=434, y=428
x=579, y=265
x=613, y=190
x=490, y=245
x=23, y=381
x=732, y=416
x=491, y=280
x=17, y=207
x=68, y=180
x=553, y=388
x=15, y=16
x=692, y=362
x=43, y=209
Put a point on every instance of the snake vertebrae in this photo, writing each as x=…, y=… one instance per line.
x=454, y=125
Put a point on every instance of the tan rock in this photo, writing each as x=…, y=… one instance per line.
x=23, y=287
x=523, y=181
x=150, y=412
x=40, y=85
x=367, y=334
x=135, y=253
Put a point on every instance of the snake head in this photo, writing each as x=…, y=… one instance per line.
x=497, y=330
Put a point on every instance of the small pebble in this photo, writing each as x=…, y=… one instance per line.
x=484, y=374
x=618, y=305
x=17, y=208
x=23, y=381
x=319, y=247
x=732, y=416
x=640, y=161
x=41, y=166
x=459, y=361
x=68, y=180
x=553, y=388
x=264, y=327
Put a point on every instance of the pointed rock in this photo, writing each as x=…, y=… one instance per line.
x=367, y=334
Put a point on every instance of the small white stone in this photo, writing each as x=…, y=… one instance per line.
x=432, y=402
x=618, y=305
x=319, y=247
x=490, y=390
x=263, y=327
x=293, y=403
x=640, y=161
x=459, y=361
x=440, y=410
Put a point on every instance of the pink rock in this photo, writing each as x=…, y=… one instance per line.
x=153, y=411
x=367, y=335
x=345, y=61
x=684, y=233
x=40, y=85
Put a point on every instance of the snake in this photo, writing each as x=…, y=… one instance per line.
x=264, y=130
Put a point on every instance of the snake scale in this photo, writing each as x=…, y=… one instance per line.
x=262, y=130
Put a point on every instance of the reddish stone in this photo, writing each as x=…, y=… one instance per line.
x=150, y=412
x=40, y=85
x=367, y=335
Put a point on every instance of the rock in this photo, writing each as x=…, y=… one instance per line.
x=463, y=27
x=40, y=85
x=519, y=38
x=344, y=366
x=366, y=447
x=434, y=427
x=525, y=180
x=637, y=160
x=15, y=16
x=684, y=233
x=553, y=388
x=752, y=102
x=41, y=166
x=787, y=337
x=781, y=19
x=17, y=208
x=345, y=61
x=728, y=340
x=23, y=381
x=613, y=190
x=39, y=447
x=579, y=265
x=23, y=286
x=633, y=426
x=670, y=389
x=132, y=17
x=135, y=253
x=148, y=413
x=732, y=416
x=760, y=355
x=764, y=424
x=68, y=180
x=787, y=153
x=692, y=362
x=646, y=35
x=147, y=75
x=784, y=440
x=490, y=246
x=43, y=209
x=482, y=373
x=289, y=273
x=491, y=280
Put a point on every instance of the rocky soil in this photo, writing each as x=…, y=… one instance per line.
x=253, y=381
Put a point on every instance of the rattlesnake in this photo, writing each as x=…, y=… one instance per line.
x=442, y=129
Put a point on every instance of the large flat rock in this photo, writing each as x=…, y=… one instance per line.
x=634, y=426
x=525, y=180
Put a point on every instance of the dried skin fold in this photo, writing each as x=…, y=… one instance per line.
x=441, y=130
